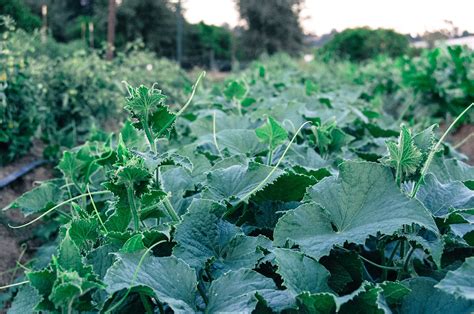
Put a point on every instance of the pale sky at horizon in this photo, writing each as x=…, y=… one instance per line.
x=405, y=16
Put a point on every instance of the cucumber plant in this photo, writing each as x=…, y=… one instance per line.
x=225, y=210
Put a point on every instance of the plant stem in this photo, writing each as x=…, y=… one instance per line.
x=131, y=201
x=96, y=211
x=149, y=136
x=202, y=293
x=392, y=255
x=378, y=265
x=14, y=284
x=203, y=74
x=390, y=259
x=214, y=136
x=407, y=260
x=160, y=307
x=402, y=248
x=405, y=264
x=69, y=306
x=237, y=106
x=366, y=273
x=397, y=175
x=208, y=274
x=369, y=261
x=170, y=209
x=270, y=156
x=146, y=304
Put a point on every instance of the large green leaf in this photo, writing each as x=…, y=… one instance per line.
x=39, y=199
x=133, y=171
x=394, y=291
x=203, y=125
x=276, y=300
x=203, y=236
x=460, y=282
x=447, y=170
x=133, y=244
x=286, y=188
x=366, y=299
x=171, y=279
x=369, y=301
x=77, y=164
x=25, y=301
x=235, y=292
x=301, y=273
x=304, y=156
x=69, y=286
x=236, y=182
x=319, y=303
x=102, y=258
x=266, y=215
x=424, y=298
x=442, y=198
x=243, y=142
x=364, y=200
x=175, y=180
x=425, y=140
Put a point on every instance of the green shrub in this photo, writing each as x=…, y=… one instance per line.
x=21, y=13
x=56, y=92
x=360, y=44
x=443, y=76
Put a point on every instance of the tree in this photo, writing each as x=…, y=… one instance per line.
x=271, y=26
x=64, y=16
x=20, y=13
x=111, y=29
x=151, y=20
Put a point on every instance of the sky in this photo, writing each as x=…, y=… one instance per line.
x=321, y=16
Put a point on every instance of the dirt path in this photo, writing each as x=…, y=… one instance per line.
x=14, y=242
x=467, y=148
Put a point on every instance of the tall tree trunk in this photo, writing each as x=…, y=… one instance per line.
x=91, y=35
x=44, y=26
x=179, y=33
x=111, y=29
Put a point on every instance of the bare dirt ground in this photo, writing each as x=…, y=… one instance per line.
x=16, y=244
x=467, y=148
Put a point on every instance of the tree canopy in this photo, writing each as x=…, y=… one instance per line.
x=271, y=26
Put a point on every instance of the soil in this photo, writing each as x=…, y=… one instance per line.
x=17, y=244
x=467, y=148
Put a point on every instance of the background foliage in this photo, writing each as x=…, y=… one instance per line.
x=271, y=26
x=57, y=97
x=361, y=44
